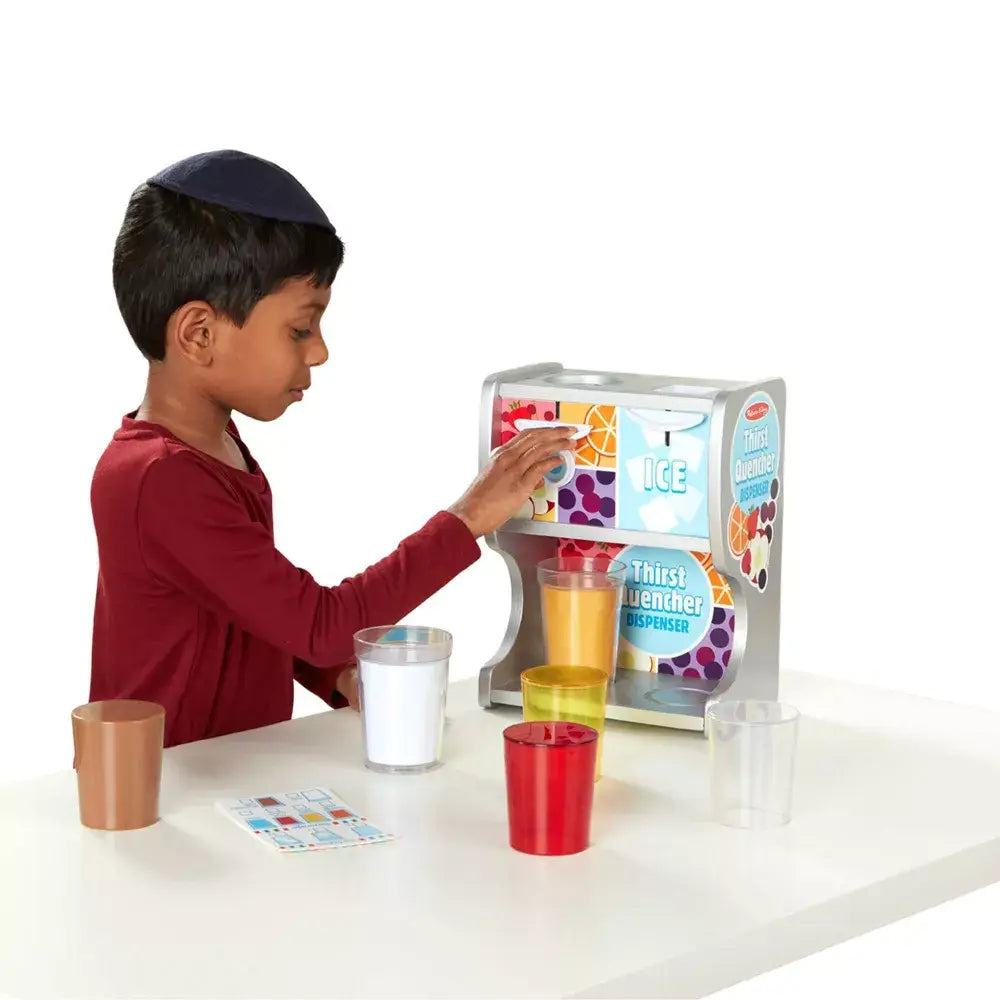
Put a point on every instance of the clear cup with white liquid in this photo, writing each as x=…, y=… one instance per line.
x=403, y=685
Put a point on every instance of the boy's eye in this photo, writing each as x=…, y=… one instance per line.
x=300, y=334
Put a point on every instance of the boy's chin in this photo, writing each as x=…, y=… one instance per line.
x=264, y=413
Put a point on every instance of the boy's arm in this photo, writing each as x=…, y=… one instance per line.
x=195, y=535
x=322, y=681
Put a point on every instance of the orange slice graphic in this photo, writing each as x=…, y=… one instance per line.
x=722, y=594
x=603, y=437
x=738, y=535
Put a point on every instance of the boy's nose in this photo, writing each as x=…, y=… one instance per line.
x=319, y=353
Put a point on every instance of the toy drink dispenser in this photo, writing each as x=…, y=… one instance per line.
x=674, y=488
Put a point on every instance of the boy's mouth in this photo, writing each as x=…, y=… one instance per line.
x=298, y=392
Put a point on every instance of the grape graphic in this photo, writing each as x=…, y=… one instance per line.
x=589, y=498
x=762, y=579
x=774, y=488
x=711, y=657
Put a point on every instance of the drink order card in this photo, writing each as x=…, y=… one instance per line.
x=314, y=819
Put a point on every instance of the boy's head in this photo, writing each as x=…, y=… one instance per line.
x=222, y=270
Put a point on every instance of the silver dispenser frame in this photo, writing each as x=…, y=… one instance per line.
x=637, y=696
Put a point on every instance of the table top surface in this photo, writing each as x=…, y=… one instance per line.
x=895, y=810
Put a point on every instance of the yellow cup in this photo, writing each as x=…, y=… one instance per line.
x=567, y=694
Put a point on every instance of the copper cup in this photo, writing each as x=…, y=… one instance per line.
x=119, y=753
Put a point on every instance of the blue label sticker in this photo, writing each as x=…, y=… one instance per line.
x=756, y=452
x=667, y=604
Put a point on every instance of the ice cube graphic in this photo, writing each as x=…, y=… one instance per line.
x=636, y=469
x=686, y=505
x=658, y=515
x=654, y=438
x=687, y=448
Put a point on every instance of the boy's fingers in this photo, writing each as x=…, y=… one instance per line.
x=541, y=451
x=539, y=437
x=535, y=475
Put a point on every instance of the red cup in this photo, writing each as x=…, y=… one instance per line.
x=550, y=786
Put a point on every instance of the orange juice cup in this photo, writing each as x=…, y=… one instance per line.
x=581, y=607
x=567, y=694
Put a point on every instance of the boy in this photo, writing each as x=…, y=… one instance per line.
x=222, y=270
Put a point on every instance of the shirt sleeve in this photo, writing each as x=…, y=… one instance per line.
x=195, y=534
x=321, y=681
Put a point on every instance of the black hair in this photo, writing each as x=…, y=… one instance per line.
x=173, y=249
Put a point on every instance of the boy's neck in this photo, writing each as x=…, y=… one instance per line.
x=186, y=413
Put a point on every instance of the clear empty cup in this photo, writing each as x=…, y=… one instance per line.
x=403, y=685
x=550, y=787
x=581, y=609
x=752, y=751
x=567, y=694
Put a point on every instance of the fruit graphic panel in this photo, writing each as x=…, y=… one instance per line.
x=708, y=661
x=722, y=593
x=705, y=651
x=751, y=536
x=601, y=552
x=527, y=409
x=589, y=498
x=541, y=505
x=754, y=464
x=648, y=468
x=599, y=449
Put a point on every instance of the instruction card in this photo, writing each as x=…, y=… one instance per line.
x=314, y=819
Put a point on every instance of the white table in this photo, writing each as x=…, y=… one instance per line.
x=897, y=809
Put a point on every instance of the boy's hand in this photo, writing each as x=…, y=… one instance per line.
x=347, y=685
x=513, y=472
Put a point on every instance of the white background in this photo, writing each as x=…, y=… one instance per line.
x=725, y=191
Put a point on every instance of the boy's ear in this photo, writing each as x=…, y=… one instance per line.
x=191, y=331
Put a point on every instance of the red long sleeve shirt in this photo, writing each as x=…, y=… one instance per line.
x=198, y=611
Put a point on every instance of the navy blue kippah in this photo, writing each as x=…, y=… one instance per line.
x=243, y=183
